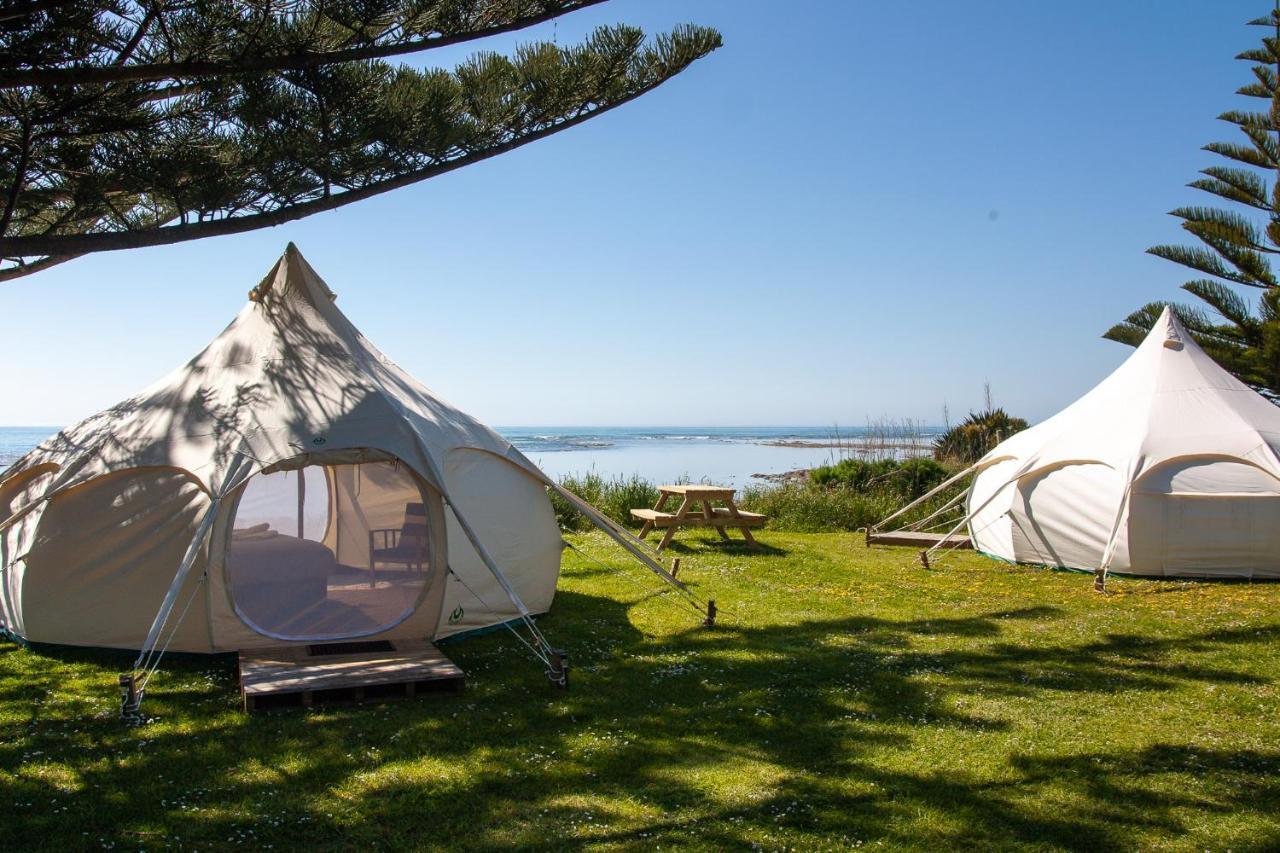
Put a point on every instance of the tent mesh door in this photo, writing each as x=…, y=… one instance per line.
x=329, y=551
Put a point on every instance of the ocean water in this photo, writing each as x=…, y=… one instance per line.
x=730, y=456
x=15, y=441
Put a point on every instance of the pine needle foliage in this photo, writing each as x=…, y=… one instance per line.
x=130, y=123
x=1236, y=246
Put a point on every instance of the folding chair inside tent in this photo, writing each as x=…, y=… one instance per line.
x=405, y=546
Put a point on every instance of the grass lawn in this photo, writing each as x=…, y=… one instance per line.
x=849, y=698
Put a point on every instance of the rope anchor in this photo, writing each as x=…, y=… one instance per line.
x=131, y=700
x=558, y=668
x=710, y=621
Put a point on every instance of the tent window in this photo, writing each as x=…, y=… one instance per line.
x=329, y=551
x=1205, y=517
x=25, y=487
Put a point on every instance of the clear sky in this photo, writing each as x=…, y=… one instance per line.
x=852, y=210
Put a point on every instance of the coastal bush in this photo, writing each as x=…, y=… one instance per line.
x=615, y=497
x=807, y=508
x=902, y=480
x=970, y=440
x=856, y=474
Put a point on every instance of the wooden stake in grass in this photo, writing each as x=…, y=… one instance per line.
x=559, y=671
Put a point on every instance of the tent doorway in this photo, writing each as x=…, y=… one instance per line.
x=331, y=551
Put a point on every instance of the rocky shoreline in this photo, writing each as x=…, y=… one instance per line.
x=800, y=475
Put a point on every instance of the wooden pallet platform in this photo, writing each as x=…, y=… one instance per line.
x=917, y=540
x=323, y=673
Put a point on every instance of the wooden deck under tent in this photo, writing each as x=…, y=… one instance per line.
x=917, y=539
x=323, y=673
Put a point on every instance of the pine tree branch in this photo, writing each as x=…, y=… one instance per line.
x=21, y=270
x=131, y=164
x=80, y=244
x=249, y=63
x=22, y=10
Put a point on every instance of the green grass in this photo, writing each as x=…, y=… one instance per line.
x=848, y=697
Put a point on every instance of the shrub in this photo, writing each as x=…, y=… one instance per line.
x=856, y=474
x=808, y=509
x=917, y=476
x=967, y=442
x=903, y=481
x=614, y=497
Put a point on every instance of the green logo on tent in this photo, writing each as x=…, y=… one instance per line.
x=456, y=615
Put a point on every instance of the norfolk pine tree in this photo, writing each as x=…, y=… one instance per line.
x=1236, y=245
x=127, y=123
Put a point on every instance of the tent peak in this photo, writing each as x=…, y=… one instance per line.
x=291, y=275
x=1170, y=329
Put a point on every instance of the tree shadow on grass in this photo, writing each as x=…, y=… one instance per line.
x=738, y=547
x=646, y=746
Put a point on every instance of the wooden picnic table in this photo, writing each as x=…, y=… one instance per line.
x=685, y=516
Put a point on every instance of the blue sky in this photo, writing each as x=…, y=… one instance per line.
x=860, y=210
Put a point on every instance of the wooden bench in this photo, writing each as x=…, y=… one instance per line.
x=721, y=517
x=686, y=516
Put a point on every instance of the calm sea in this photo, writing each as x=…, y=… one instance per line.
x=727, y=455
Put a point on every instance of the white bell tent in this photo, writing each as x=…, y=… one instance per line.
x=288, y=485
x=1169, y=468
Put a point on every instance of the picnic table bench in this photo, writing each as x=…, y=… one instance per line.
x=687, y=516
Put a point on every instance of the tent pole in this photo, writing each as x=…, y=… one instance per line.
x=968, y=518
x=935, y=490
x=302, y=500
x=487, y=559
x=1108, y=553
x=544, y=648
x=618, y=535
x=131, y=690
x=188, y=560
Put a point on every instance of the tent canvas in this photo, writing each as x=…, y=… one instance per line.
x=288, y=484
x=1170, y=467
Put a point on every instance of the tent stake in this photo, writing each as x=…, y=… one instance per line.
x=130, y=700
x=559, y=671
x=1099, y=581
x=675, y=567
x=924, y=559
x=710, y=621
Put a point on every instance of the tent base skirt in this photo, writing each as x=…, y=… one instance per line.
x=1129, y=575
x=302, y=676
